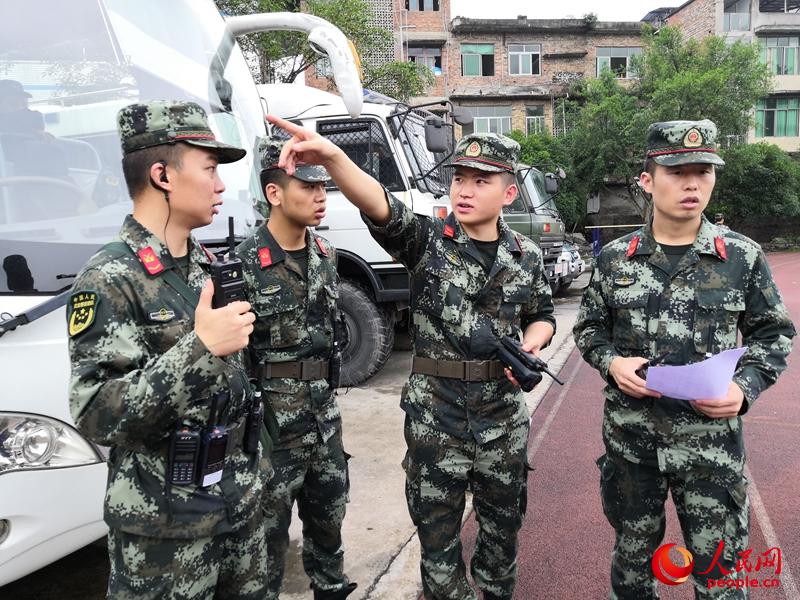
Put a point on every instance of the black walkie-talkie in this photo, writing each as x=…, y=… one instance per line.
x=227, y=275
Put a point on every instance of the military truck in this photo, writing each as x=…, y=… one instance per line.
x=69, y=67
x=403, y=147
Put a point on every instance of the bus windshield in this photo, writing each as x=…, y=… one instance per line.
x=67, y=68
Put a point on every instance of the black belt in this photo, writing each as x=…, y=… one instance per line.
x=465, y=370
x=305, y=370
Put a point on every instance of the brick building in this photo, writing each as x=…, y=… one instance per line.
x=508, y=72
x=775, y=26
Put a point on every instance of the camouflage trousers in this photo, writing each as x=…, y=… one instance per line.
x=700, y=461
x=316, y=477
x=440, y=468
x=226, y=566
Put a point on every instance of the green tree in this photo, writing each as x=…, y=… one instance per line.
x=547, y=153
x=282, y=56
x=757, y=180
x=677, y=79
x=709, y=79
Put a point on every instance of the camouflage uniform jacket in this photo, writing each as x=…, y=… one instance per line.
x=634, y=306
x=137, y=372
x=294, y=321
x=459, y=313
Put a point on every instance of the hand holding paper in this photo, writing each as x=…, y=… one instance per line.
x=707, y=379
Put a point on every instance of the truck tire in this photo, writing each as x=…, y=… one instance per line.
x=370, y=332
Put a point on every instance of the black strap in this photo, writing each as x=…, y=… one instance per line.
x=37, y=312
x=170, y=276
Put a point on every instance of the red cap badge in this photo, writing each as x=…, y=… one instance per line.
x=449, y=231
x=321, y=246
x=719, y=244
x=150, y=261
x=632, y=246
x=264, y=257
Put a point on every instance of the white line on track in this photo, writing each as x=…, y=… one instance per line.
x=788, y=584
x=534, y=446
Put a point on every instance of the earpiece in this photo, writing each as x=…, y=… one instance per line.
x=163, y=178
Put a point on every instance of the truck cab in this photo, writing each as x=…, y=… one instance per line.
x=534, y=214
x=73, y=65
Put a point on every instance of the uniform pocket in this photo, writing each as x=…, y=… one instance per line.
x=629, y=307
x=736, y=523
x=440, y=297
x=715, y=319
x=278, y=323
x=609, y=494
x=514, y=296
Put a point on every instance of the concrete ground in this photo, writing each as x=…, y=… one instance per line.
x=381, y=546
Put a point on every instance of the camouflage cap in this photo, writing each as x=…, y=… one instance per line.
x=683, y=142
x=12, y=87
x=269, y=149
x=166, y=122
x=486, y=152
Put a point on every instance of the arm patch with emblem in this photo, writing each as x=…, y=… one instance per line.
x=81, y=311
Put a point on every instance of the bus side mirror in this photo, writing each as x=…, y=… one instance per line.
x=437, y=135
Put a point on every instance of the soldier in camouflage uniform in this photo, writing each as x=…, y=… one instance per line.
x=291, y=281
x=472, y=281
x=145, y=362
x=682, y=286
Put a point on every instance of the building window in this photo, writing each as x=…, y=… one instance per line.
x=488, y=119
x=417, y=5
x=778, y=117
x=617, y=60
x=736, y=16
x=524, y=59
x=430, y=57
x=780, y=54
x=477, y=60
x=781, y=6
x=534, y=119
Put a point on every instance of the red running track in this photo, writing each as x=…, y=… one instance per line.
x=565, y=543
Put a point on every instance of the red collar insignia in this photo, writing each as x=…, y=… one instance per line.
x=264, y=257
x=150, y=261
x=519, y=244
x=449, y=231
x=321, y=246
x=632, y=246
x=209, y=256
x=719, y=244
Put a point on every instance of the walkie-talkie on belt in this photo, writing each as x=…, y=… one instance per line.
x=227, y=275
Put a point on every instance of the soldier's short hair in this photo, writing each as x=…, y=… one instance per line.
x=275, y=176
x=136, y=165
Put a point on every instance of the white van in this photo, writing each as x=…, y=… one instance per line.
x=62, y=196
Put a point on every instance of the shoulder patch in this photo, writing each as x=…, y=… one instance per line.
x=634, y=244
x=209, y=255
x=81, y=311
x=719, y=246
x=264, y=257
x=321, y=245
x=150, y=261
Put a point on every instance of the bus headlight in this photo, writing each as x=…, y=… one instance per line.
x=36, y=442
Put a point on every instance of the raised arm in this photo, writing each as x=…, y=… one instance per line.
x=309, y=147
